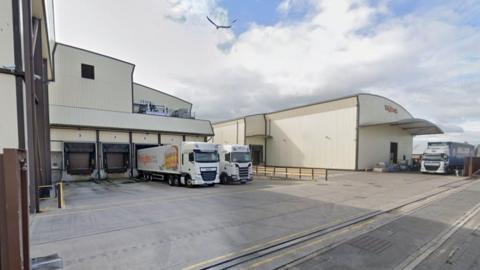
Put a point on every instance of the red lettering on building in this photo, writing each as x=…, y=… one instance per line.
x=390, y=109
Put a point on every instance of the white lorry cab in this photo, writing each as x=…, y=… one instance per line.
x=189, y=163
x=235, y=163
x=445, y=157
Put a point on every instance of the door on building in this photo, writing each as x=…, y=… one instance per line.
x=394, y=152
x=79, y=158
x=257, y=154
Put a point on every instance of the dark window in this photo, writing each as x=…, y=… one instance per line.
x=190, y=157
x=227, y=157
x=88, y=71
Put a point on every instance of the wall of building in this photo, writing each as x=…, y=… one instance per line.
x=231, y=132
x=8, y=100
x=374, y=145
x=321, y=135
x=113, y=78
x=256, y=125
x=171, y=139
x=144, y=138
x=195, y=138
x=144, y=93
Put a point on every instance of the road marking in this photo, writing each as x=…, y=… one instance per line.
x=415, y=259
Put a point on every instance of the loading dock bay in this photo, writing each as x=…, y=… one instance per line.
x=149, y=225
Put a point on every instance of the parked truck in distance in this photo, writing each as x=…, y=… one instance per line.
x=189, y=163
x=445, y=157
x=235, y=163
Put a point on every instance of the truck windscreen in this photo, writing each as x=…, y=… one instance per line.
x=205, y=157
x=241, y=157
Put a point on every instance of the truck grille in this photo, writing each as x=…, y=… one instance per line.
x=243, y=172
x=431, y=167
x=209, y=176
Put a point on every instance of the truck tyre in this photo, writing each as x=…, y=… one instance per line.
x=223, y=179
x=170, y=180
x=177, y=181
x=188, y=181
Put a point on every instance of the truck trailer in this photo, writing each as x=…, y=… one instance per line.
x=235, y=163
x=445, y=157
x=189, y=163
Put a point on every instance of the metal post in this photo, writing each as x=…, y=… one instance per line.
x=326, y=175
x=61, y=202
x=286, y=172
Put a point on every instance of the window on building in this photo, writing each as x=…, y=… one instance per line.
x=88, y=71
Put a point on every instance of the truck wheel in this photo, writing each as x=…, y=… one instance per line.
x=170, y=181
x=177, y=181
x=223, y=179
x=188, y=182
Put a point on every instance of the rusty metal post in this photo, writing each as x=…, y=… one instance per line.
x=326, y=175
x=14, y=244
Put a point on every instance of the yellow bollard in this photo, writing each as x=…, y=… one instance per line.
x=61, y=202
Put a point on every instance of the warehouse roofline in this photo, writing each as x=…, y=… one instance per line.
x=414, y=126
x=308, y=105
x=88, y=51
x=170, y=95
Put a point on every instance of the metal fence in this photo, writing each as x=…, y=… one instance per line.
x=14, y=212
x=299, y=173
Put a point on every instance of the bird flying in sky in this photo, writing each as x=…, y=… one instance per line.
x=221, y=26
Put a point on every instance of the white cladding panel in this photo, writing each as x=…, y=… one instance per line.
x=255, y=125
x=194, y=138
x=56, y=146
x=8, y=113
x=171, y=139
x=6, y=35
x=143, y=93
x=374, y=145
x=241, y=132
x=72, y=135
x=376, y=110
x=8, y=100
x=114, y=137
x=60, y=115
x=113, y=78
x=229, y=132
x=323, y=136
x=145, y=138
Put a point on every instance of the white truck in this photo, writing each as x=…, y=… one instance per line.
x=235, y=163
x=189, y=163
x=445, y=157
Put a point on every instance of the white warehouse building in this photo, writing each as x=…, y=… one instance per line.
x=99, y=117
x=349, y=133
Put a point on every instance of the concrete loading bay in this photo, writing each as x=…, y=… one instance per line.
x=355, y=220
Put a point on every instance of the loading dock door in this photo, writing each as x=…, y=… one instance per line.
x=116, y=157
x=257, y=154
x=79, y=158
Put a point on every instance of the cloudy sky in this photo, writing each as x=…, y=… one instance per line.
x=281, y=53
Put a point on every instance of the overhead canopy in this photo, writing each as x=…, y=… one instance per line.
x=415, y=126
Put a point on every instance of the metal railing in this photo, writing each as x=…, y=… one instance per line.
x=299, y=173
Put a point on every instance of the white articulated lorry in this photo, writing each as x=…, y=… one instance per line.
x=445, y=157
x=235, y=163
x=189, y=163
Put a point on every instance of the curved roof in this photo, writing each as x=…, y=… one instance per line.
x=378, y=110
